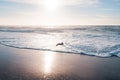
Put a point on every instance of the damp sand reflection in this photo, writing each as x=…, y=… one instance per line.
x=20, y=64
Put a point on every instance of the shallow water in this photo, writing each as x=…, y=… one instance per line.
x=102, y=41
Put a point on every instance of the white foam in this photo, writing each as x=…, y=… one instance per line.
x=89, y=42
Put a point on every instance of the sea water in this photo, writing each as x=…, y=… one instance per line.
x=102, y=41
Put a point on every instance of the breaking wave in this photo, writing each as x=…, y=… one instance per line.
x=102, y=41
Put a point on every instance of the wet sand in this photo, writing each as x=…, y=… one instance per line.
x=21, y=64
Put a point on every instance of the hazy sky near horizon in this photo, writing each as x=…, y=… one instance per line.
x=59, y=12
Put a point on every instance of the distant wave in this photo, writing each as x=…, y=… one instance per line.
x=15, y=30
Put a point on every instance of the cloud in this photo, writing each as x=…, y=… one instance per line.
x=63, y=2
x=81, y=2
x=24, y=1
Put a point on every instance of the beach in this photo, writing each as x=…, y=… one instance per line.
x=60, y=40
x=23, y=64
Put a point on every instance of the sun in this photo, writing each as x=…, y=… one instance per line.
x=51, y=4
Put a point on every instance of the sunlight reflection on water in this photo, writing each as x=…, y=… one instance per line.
x=44, y=41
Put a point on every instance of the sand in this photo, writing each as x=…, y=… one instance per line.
x=22, y=64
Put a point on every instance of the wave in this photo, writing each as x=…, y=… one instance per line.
x=38, y=49
x=78, y=28
x=86, y=50
x=98, y=41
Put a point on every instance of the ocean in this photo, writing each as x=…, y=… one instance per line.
x=100, y=41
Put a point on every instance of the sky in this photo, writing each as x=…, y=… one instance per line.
x=59, y=12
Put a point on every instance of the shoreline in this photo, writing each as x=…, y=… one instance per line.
x=17, y=64
x=57, y=51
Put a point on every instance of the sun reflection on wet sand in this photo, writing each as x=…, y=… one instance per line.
x=48, y=62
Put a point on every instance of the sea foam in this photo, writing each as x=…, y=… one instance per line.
x=102, y=41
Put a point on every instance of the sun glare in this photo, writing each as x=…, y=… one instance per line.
x=51, y=4
x=51, y=9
